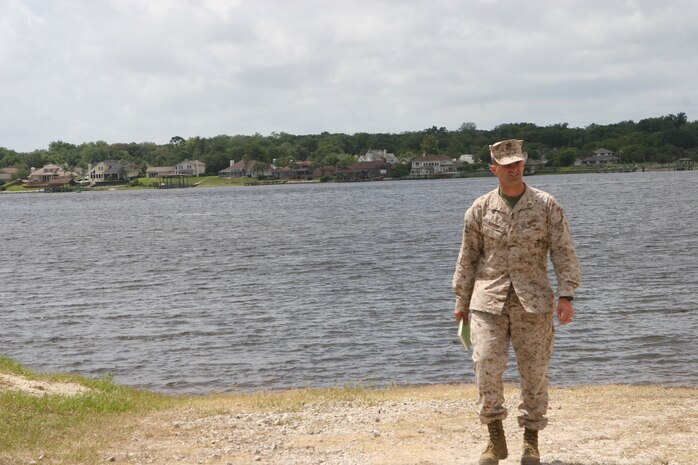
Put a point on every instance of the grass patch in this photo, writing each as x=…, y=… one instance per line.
x=201, y=181
x=18, y=188
x=8, y=365
x=33, y=425
x=215, y=181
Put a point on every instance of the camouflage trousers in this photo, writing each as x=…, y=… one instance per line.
x=532, y=336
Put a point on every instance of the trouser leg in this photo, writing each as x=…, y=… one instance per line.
x=532, y=336
x=490, y=336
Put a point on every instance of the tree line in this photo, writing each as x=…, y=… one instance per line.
x=653, y=140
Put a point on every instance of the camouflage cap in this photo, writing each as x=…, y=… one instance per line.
x=507, y=152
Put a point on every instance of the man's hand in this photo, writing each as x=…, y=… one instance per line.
x=460, y=314
x=565, y=312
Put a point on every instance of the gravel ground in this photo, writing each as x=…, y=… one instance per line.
x=433, y=425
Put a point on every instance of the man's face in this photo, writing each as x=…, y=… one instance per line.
x=509, y=174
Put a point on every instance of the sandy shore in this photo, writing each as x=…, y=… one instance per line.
x=434, y=425
x=429, y=425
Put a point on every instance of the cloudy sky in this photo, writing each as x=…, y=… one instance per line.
x=148, y=70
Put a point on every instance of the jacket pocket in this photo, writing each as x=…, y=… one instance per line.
x=494, y=230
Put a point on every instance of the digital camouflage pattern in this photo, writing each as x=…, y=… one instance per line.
x=502, y=278
x=508, y=151
x=532, y=336
x=502, y=247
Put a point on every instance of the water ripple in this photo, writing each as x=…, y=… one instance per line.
x=205, y=290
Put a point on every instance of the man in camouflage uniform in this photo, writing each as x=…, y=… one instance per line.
x=501, y=280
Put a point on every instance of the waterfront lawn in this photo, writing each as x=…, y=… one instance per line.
x=67, y=428
x=201, y=181
x=16, y=187
x=141, y=183
x=215, y=181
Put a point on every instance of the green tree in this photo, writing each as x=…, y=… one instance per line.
x=283, y=162
x=92, y=153
x=9, y=158
x=565, y=157
x=63, y=153
x=468, y=127
x=22, y=173
x=662, y=123
x=287, y=150
x=679, y=137
x=36, y=159
x=328, y=145
x=429, y=145
x=400, y=170
x=256, y=148
x=635, y=153
x=339, y=160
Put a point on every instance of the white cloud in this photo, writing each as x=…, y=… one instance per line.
x=127, y=71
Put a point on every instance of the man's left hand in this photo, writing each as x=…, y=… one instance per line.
x=565, y=311
x=460, y=314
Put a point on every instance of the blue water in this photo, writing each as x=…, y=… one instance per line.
x=269, y=287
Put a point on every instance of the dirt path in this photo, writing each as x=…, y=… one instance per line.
x=434, y=425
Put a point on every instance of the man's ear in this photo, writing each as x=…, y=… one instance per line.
x=493, y=169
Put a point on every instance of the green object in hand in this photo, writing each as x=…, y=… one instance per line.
x=464, y=332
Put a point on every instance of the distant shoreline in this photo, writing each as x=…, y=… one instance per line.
x=248, y=182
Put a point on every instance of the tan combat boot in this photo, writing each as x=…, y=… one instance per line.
x=497, y=447
x=530, y=455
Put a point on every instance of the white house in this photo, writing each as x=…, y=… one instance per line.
x=46, y=173
x=110, y=170
x=601, y=157
x=190, y=168
x=378, y=155
x=429, y=165
x=245, y=169
x=159, y=171
x=467, y=158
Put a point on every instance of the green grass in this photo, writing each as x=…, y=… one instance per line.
x=201, y=181
x=147, y=183
x=32, y=425
x=78, y=429
x=17, y=188
x=214, y=181
x=10, y=366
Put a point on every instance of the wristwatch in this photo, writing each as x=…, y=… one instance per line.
x=567, y=297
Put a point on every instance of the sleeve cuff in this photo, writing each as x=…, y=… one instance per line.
x=461, y=304
x=569, y=292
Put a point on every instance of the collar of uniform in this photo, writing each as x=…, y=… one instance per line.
x=498, y=203
x=526, y=200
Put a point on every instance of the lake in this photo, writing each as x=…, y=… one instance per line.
x=271, y=287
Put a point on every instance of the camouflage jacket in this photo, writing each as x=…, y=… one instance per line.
x=503, y=247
